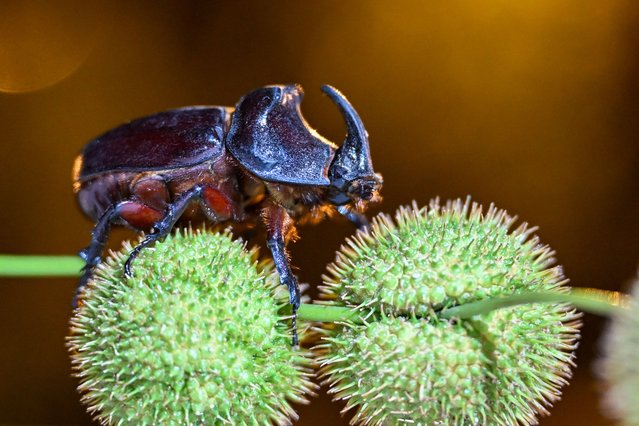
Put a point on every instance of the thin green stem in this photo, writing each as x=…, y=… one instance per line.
x=40, y=266
x=595, y=301
x=324, y=313
x=591, y=300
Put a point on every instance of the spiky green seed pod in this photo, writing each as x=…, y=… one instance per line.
x=194, y=337
x=409, y=365
x=620, y=366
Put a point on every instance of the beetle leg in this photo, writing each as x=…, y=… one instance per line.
x=92, y=254
x=138, y=215
x=281, y=230
x=358, y=219
x=218, y=206
x=164, y=226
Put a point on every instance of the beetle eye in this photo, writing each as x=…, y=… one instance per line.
x=368, y=189
x=365, y=188
x=356, y=191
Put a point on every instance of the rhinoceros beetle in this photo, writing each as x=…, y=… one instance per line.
x=259, y=160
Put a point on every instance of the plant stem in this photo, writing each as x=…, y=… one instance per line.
x=324, y=313
x=590, y=300
x=40, y=266
x=595, y=301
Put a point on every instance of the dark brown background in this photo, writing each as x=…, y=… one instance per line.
x=531, y=105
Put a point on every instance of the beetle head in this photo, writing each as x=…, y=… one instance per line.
x=351, y=172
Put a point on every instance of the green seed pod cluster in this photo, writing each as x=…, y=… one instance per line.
x=619, y=366
x=194, y=337
x=407, y=364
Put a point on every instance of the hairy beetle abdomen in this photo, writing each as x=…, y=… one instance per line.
x=96, y=195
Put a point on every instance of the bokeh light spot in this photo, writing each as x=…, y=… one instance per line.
x=44, y=42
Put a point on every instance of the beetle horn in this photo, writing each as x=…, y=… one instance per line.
x=353, y=158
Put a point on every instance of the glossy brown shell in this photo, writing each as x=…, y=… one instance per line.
x=170, y=139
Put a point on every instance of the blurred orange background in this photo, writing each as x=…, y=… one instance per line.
x=531, y=105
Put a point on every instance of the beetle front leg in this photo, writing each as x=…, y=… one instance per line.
x=135, y=214
x=162, y=228
x=281, y=230
x=92, y=254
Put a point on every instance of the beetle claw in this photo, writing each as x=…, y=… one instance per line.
x=294, y=300
x=295, y=338
x=127, y=266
